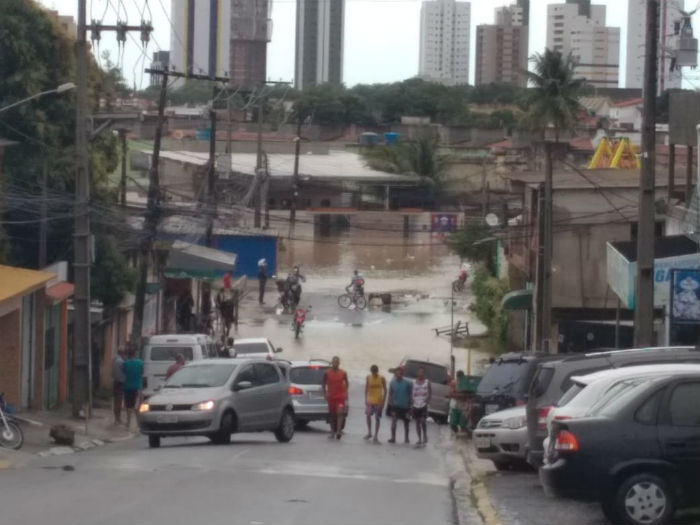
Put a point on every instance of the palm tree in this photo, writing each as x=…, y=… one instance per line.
x=553, y=96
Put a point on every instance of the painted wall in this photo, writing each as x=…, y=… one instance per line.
x=250, y=250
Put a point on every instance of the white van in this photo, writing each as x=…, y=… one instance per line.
x=161, y=351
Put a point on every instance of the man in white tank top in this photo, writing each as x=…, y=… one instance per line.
x=420, y=398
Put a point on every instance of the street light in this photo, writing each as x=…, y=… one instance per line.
x=60, y=89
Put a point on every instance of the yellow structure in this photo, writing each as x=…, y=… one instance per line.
x=618, y=155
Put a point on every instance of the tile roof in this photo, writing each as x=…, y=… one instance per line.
x=16, y=282
x=59, y=291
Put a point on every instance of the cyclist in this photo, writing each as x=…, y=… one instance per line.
x=357, y=285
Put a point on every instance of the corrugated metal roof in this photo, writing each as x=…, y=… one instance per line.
x=15, y=282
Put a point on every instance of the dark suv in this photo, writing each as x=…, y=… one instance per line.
x=553, y=378
x=637, y=451
x=505, y=383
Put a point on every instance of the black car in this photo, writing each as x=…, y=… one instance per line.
x=637, y=452
x=553, y=378
x=505, y=383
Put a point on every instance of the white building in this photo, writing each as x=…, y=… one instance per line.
x=444, y=41
x=320, y=30
x=636, y=36
x=577, y=27
x=627, y=114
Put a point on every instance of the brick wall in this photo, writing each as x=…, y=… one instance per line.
x=10, y=356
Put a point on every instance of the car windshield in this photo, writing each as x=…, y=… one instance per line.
x=508, y=377
x=574, y=390
x=201, y=376
x=169, y=353
x=307, y=375
x=434, y=373
x=616, y=396
x=251, y=348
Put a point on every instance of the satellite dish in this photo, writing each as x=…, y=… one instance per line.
x=492, y=219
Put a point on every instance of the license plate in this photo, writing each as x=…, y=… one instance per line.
x=167, y=419
x=482, y=442
x=491, y=409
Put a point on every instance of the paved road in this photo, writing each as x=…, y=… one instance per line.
x=253, y=480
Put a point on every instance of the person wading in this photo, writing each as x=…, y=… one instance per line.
x=133, y=384
x=375, y=395
x=399, y=403
x=118, y=385
x=421, y=393
x=335, y=390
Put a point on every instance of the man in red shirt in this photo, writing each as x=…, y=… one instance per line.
x=335, y=390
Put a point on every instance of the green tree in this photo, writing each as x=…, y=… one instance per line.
x=553, y=97
x=420, y=157
x=475, y=243
x=489, y=292
x=111, y=275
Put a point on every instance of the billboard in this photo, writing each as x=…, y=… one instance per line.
x=443, y=222
x=685, y=296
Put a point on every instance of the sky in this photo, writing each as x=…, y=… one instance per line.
x=381, y=36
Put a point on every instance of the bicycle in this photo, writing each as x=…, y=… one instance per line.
x=11, y=435
x=348, y=299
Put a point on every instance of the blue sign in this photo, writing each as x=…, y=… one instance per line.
x=685, y=296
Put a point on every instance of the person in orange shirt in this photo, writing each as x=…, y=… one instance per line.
x=335, y=390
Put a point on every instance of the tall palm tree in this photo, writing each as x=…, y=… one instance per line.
x=553, y=96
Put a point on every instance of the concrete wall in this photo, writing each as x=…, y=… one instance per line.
x=10, y=356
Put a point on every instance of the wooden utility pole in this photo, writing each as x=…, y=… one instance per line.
x=295, y=180
x=546, y=318
x=644, y=282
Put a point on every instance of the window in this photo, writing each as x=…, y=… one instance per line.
x=247, y=374
x=201, y=376
x=434, y=373
x=683, y=407
x=169, y=353
x=266, y=374
x=307, y=375
x=251, y=348
x=647, y=413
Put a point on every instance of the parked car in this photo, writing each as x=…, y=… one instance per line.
x=502, y=438
x=161, y=350
x=218, y=397
x=254, y=348
x=306, y=390
x=505, y=383
x=553, y=378
x=637, y=451
x=439, y=377
x=587, y=390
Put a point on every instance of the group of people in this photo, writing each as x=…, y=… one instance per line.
x=404, y=400
x=127, y=376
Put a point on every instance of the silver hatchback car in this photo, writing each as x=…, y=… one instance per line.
x=217, y=397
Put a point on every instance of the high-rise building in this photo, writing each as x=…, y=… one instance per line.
x=636, y=37
x=221, y=38
x=502, y=49
x=319, y=42
x=444, y=41
x=577, y=27
x=160, y=62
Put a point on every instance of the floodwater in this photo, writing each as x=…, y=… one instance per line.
x=417, y=271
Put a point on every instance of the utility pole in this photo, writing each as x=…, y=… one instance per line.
x=295, y=183
x=43, y=226
x=537, y=297
x=689, y=177
x=211, y=180
x=546, y=318
x=258, y=163
x=644, y=282
x=122, y=182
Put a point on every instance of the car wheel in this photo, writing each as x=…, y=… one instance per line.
x=301, y=423
x=223, y=436
x=154, y=441
x=642, y=499
x=285, y=431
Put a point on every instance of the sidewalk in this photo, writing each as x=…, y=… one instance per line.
x=37, y=442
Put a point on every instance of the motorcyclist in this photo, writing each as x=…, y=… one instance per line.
x=293, y=285
x=357, y=284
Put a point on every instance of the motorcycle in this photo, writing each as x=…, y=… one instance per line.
x=298, y=321
x=11, y=435
x=458, y=284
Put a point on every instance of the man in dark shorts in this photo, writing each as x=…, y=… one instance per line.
x=335, y=390
x=399, y=403
x=133, y=383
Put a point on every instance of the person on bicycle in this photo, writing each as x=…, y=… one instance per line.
x=357, y=284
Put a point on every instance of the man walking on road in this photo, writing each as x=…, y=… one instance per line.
x=133, y=383
x=118, y=386
x=399, y=403
x=262, y=279
x=375, y=395
x=335, y=390
x=420, y=398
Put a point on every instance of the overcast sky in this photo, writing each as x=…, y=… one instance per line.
x=381, y=36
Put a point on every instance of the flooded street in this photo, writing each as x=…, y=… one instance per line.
x=417, y=271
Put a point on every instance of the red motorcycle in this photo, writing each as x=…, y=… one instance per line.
x=458, y=285
x=298, y=322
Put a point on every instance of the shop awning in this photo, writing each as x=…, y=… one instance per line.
x=191, y=261
x=517, y=300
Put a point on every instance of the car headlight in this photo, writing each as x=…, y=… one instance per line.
x=204, y=406
x=144, y=407
x=515, y=422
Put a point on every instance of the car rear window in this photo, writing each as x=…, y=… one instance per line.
x=307, y=375
x=168, y=353
x=616, y=396
x=251, y=348
x=571, y=393
x=507, y=377
x=541, y=380
x=434, y=373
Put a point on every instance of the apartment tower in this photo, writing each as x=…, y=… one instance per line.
x=444, y=41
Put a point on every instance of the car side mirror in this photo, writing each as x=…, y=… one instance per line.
x=242, y=385
x=278, y=350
